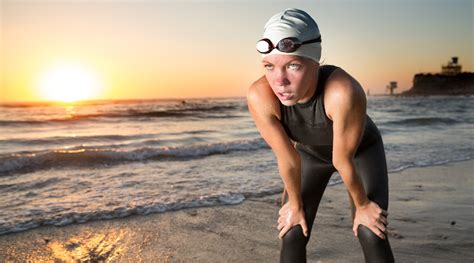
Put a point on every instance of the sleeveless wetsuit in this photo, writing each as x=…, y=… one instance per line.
x=308, y=126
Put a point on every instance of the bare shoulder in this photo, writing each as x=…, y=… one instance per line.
x=261, y=99
x=342, y=90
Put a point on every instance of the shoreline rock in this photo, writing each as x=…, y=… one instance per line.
x=439, y=84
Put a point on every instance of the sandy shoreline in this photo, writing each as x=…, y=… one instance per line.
x=431, y=220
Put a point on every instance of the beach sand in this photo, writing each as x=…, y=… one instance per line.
x=431, y=219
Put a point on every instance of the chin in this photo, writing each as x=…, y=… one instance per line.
x=288, y=102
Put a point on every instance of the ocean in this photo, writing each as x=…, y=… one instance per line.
x=97, y=160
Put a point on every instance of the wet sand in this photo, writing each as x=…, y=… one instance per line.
x=431, y=219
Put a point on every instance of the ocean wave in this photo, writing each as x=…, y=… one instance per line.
x=127, y=210
x=211, y=111
x=86, y=157
x=423, y=121
x=55, y=140
x=428, y=163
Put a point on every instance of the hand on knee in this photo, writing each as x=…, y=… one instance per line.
x=290, y=217
x=372, y=217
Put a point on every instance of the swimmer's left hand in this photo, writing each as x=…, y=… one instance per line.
x=373, y=217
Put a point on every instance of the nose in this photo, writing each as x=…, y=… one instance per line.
x=280, y=78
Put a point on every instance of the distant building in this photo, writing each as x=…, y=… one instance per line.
x=452, y=68
x=391, y=86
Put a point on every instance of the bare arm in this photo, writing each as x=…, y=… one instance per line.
x=347, y=104
x=264, y=108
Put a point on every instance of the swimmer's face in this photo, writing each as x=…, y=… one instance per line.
x=292, y=78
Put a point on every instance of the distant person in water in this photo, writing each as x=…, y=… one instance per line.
x=314, y=119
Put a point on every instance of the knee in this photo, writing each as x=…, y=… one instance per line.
x=295, y=238
x=367, y=237
x=375, y=249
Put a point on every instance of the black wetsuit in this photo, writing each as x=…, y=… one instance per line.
x=307, y=125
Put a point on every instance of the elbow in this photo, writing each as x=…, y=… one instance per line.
x=346, y=168
x=343, y=163
x=289, y=164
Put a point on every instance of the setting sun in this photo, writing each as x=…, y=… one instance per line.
x=69, y=82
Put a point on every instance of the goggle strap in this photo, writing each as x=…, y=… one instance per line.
x=312, y=40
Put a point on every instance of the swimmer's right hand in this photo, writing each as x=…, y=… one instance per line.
x=289, y=217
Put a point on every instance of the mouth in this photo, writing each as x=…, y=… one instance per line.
x=285, y=95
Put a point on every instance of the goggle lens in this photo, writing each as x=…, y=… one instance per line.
x=264, y=46
x=288, y=45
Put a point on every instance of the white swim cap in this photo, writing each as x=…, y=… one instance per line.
x=293, y=22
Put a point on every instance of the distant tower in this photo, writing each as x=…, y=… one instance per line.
x=452, y=68
x=391, y=86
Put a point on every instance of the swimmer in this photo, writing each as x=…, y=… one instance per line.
x=314, y=119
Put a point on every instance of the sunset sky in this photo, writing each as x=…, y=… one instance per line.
x=182, y=49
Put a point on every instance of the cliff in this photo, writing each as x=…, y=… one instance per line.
x=439, y=84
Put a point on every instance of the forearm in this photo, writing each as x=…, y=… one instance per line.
x=291, y=176
x=353, y=183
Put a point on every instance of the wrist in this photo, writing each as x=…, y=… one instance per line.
x=296, y=204
x=362, y=203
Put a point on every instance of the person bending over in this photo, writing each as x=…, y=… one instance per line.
x=314, y=119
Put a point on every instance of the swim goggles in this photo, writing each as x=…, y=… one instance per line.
x=286, y=45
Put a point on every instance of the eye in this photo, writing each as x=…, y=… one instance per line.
x=294, y=66
x=268, y=66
